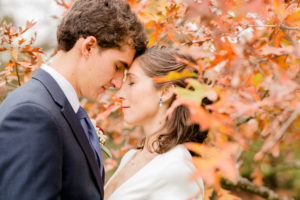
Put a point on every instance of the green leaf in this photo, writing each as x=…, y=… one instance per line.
x=257, y=79
x=106, y=151
x=200, y=91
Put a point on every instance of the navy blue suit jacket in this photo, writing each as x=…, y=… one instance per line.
x=44, y=152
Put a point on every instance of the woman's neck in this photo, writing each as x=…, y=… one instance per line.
x=152, y=129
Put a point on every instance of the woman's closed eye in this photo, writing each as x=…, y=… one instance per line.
x=130, y=83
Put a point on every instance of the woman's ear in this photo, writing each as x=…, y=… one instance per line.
x=88, y=44
x=167, y=93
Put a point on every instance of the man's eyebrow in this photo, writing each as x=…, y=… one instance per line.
x=124, y=64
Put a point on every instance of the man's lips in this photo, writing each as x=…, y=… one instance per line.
x=125, y=106
x=104, y=88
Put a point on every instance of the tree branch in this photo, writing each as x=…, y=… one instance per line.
x=262, y=191
x=294, y=165
x=282, y=26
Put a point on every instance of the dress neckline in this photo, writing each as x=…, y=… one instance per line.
x=162, y=156
x=134, y=175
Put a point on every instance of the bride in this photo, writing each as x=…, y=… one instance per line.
x=160, y=168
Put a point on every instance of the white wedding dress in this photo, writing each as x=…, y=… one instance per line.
x=166, y=177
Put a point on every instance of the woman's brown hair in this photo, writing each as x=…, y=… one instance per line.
x=158, y=61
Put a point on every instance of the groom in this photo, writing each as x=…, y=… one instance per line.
x=47, y=143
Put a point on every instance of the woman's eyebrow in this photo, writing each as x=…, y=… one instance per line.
x=129, y=74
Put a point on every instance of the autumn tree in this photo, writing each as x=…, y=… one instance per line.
x=248, y=55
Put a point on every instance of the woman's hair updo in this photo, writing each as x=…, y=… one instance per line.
x=159, y=61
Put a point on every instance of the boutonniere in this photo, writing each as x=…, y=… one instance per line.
x=101, y=138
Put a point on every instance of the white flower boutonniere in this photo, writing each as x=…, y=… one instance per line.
x=101, y=138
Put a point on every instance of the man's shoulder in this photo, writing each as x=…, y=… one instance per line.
x=31, y=92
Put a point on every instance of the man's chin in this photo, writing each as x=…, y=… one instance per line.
x=91, y=97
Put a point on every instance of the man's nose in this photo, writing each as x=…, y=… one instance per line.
x=117, y=80
x=120, y=94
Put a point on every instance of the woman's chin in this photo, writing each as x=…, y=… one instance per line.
x=131, y=122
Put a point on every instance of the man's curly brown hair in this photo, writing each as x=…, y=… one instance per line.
x=111, y=22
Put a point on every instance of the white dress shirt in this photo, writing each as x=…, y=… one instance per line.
x=65, y=86
x=166, y=177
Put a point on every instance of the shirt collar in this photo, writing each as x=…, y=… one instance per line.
x=65, y=85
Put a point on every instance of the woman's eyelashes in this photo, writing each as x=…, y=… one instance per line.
x=131, y=83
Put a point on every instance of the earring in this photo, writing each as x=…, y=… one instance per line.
x=160, y=101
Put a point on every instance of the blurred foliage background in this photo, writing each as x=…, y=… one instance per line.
x=247, y=57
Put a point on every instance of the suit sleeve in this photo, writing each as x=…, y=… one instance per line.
x=30, y=154
x=174, y=183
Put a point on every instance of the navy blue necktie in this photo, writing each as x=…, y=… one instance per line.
x=90, y=132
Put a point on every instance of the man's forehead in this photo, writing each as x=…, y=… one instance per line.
x=128, y=56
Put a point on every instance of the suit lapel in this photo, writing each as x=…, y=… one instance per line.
x=78, y=131
x=69, y=114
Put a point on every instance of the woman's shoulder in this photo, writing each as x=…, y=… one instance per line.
x=178, y=159
x=127, y=156
x=175, y=169
x=177, y=153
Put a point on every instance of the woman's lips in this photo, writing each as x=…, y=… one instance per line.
x=125, y=106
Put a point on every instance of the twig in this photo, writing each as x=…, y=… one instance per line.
x=282, y=26
x=18, y=75
x=295, y=165
x=282, y=130
x=248, y=186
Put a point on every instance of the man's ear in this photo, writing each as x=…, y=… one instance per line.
x=88, y=45
x=167, y=93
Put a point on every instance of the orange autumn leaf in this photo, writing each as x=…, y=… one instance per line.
x=213, y=159
x=269, y=50
x=175, y=75
x=280, y=61
x=107, y=112
x=279, y=37
x=279, y=9
x=293, y=19
x=64, y=4
x=258, y=176
x=21, y=41
x=275, y=150
x=132, y=2
x=196, y=9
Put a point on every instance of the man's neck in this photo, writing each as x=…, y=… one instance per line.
x=65, y=64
